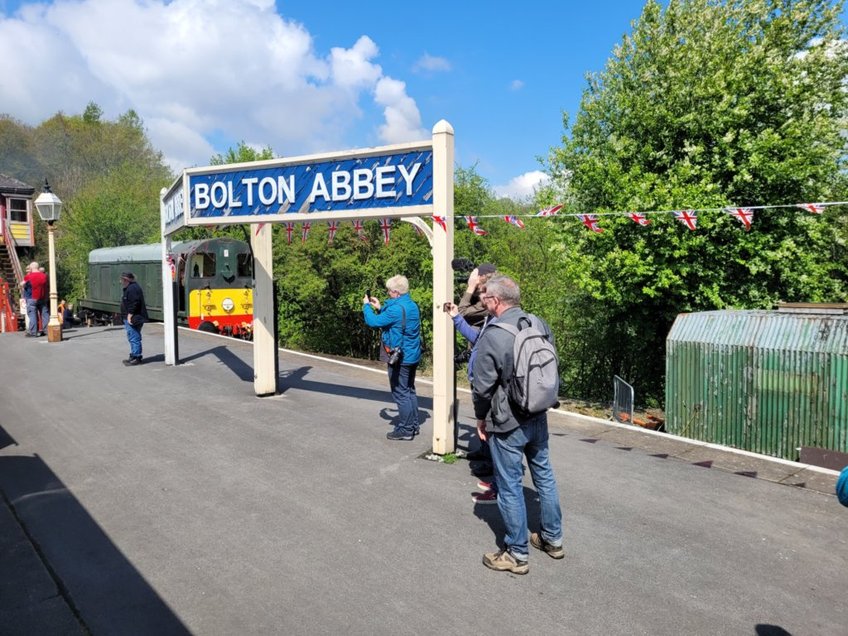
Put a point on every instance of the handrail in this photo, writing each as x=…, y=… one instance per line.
x=13, y=254
x=8, y=315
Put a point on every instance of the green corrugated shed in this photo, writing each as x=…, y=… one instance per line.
x=764, y=381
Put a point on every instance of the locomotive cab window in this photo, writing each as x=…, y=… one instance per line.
x=244, y=266
x=202, y=265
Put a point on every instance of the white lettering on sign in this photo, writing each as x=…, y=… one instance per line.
x=339, y=185
x=362, y=186
x=319, y=188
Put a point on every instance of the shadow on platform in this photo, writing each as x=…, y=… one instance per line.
x=107, y=590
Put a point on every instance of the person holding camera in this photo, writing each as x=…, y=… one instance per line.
x=400, y=322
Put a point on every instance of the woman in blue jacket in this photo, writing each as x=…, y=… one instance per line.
x=400, y=321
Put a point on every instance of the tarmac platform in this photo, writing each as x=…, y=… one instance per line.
x=171, y=500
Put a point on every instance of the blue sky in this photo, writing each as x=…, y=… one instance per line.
x=308, y=76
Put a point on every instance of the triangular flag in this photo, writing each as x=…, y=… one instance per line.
x=472, y=224
x=812, y=208
x=689, y=218
x=360, y=230
x=332, y=228
x=638, y=217
x=259, y=228
x=745, y=216
x=304, y=231
x=441, y=221
x=514, y=220
x=590, y=221
x=551, y=211
x=386, y=226
x=289, y=229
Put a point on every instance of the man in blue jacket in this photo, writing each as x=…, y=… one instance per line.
x=400, y=321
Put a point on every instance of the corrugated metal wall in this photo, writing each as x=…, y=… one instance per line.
x=764, y=381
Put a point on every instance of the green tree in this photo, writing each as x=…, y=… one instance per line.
x=242, y=153
x=706, y=104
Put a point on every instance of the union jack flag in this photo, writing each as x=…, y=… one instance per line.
x=259, y=228
x=332, y=228
x=590, y=221
x=441, y=221
x=386, y=226
x=689, y=218
x=514, y=220
x=745, y=216
x=551, y=211
x=289, y=229
x=474, y=227
x=638, y=217
x=812, y=208
x=304, y=231
x=360, y=231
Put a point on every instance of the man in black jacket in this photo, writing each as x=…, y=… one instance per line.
x=134, y=313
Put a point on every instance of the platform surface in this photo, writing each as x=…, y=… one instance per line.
x=170, y=500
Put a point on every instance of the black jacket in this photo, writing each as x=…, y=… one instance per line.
x=132, y=301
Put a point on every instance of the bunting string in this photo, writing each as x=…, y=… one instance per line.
x=687, y=217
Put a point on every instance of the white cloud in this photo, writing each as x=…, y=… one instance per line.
x=403, y=121
x=516, y=85
x=432, y=64
x=523, y=186
x=196, y=70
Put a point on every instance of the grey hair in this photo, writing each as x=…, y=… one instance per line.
x=398, y=283
x=505, y=289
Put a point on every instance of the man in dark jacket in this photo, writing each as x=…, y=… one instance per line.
x=134, y=313
x=513, y=436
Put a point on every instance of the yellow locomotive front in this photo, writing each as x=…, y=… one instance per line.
x=216, y=287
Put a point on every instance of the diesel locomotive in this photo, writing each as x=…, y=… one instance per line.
x=214, y=277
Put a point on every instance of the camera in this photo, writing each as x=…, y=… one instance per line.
x=395, y=356
x=462, y=267
x=462, y=357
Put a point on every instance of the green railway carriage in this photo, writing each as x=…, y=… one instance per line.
x=215, y=283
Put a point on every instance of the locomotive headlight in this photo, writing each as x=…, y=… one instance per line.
x=228, y=304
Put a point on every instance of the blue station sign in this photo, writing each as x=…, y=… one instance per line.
x=367, y=184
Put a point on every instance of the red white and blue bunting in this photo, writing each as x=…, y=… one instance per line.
x=687, y=217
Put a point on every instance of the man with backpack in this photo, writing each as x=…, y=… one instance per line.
x=516, y=381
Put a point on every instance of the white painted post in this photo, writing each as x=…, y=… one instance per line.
x=443, y=339
x=264, y=344
x=167, y=295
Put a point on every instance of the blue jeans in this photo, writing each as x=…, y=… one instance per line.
x=508, y=451
x=34, y=308
x=402, y=384
x=134, y=336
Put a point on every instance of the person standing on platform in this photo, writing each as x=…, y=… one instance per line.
x=36, y=304
x=134, y=314
x=513, y=435
x=400, y=322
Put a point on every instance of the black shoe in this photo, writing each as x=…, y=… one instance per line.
x=41, y=333
x=399, y=435
x=132, y=362
x=31, y=335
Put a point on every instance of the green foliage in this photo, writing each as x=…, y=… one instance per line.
x=107, y=175
x=707, y=104
x=320, y=287
x=242, y=153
